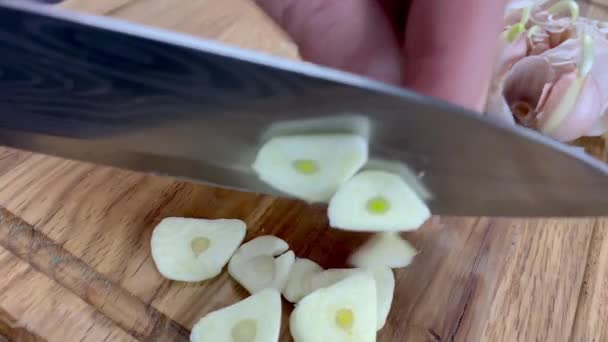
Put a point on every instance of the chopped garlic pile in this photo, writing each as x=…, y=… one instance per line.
x=338, y=304
x=344, y=304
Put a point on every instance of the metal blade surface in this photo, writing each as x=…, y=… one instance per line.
x=114, y=93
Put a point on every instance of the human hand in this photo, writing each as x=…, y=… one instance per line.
x=445, y=48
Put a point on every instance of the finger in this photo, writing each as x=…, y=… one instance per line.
x=450, y=47
x=351, y=35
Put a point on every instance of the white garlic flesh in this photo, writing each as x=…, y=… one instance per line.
x=377, y=201
x=254, y=319
x=385, y=289
x=345, y=311
x=262, y=263
x=310, y=167
x=299, y=281
x=384, y=250
x=189, y=249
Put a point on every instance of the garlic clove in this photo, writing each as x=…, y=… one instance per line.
x=188, y=249
x=562, y=58
x=527, y=77
x=298, y=283
x=524, y=87
x=599, y=69
x=256, y=265
x=345, y=311
x=384, y=250
x=572, y=108
x=310, y=167
x=509, y=53
x=519, y=93
x=377, y=201
x=497, y=108
x=254, y=319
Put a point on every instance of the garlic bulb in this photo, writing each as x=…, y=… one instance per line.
x=551, y=74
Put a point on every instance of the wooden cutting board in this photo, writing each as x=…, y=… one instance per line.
x=75, y=255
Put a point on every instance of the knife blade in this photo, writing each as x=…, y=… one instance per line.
x=110, y=92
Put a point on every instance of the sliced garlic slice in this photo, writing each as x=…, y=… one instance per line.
x=254, y=319
x=377, y=201
x=262, y=263
x=310, y=167
x=345, y=311
x=298, y=283
x=384, y=249
x=383, y=276
x=344, y=124
x=385, y=288
x=330, y=277
x=283, y=265
x=307, y=276
x=189, y=249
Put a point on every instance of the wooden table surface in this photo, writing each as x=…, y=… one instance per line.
x=75, y=255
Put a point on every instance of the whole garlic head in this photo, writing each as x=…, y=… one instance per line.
x=560, y=86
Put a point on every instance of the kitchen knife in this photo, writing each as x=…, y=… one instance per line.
x=109, y=92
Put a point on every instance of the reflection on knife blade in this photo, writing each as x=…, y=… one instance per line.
x=110, y=92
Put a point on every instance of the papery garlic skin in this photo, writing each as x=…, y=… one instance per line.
x=510, y=53
x=525, y=83
x=599, y=70
x=581, y=112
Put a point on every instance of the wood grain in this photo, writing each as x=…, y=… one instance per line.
x=73, y=275
x=75, y=255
